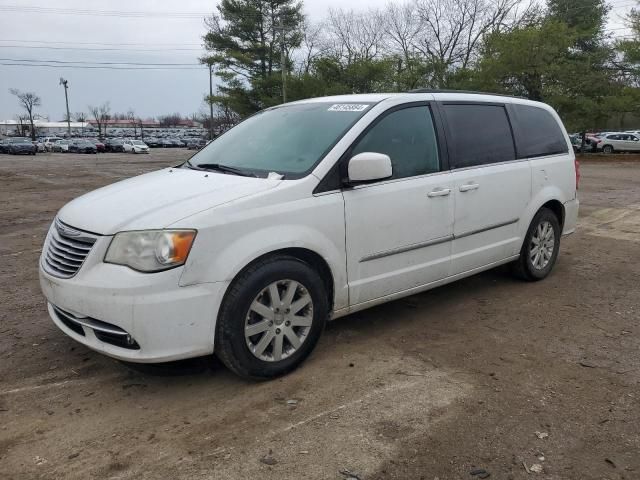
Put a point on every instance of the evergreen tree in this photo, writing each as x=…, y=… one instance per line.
x=244, y=44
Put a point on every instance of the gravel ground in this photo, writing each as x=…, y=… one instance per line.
x=488, y=373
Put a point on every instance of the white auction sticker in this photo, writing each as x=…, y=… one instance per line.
x=348, y=107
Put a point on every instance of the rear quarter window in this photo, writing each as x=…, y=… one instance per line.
x=538, y=133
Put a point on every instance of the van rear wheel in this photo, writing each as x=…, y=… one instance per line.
x=271, y=318
x=540, y=248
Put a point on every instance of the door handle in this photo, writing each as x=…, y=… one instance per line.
x=467, y=187
x=439, y=192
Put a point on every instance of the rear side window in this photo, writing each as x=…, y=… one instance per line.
x=479, y=134
x=538, y=132
x=408, y=137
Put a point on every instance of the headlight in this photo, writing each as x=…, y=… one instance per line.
x=150, y=250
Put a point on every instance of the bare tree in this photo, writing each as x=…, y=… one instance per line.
x=355, y=36
x=402, y=27
x=80, y=117
x=22, y=126
x=312, y=46
x=100, y=115
x=452, y=30
x=170, y=120
x=131, y=116
x=29, y=101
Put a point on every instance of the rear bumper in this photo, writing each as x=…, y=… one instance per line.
x=571, y=209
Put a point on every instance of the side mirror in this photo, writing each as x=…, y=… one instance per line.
x=369, y=166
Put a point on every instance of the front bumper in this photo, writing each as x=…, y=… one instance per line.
x=168, y=322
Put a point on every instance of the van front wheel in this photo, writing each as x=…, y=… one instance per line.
x=271, y=318
x=540, y=248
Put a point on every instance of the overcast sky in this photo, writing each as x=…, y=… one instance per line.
x=148, y=92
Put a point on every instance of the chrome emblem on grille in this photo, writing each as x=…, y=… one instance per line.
x=67, y=231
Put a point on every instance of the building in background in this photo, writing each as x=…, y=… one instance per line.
x=43, y=128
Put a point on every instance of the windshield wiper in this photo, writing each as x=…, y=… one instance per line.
x=221, y=168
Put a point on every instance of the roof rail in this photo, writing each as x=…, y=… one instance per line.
x=440, y=90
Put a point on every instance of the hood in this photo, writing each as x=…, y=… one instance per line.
x=157, y=200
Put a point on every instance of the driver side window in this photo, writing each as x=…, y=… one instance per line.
x=408, y=137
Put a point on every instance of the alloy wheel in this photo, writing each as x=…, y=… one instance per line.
x=279, y=320
x=542, y=245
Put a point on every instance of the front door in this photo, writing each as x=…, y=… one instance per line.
x=399, y=230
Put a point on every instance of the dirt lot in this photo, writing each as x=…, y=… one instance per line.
x=487, y=373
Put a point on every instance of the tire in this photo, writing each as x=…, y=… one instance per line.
x=533, y=268
x=607, y=149
x=254, y=285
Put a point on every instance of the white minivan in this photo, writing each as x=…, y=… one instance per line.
x=306, y=212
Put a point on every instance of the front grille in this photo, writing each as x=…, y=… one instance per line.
x=67, y=250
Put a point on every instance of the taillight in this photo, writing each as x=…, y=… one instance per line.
x=577, y=167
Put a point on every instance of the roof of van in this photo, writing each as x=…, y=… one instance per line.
x=435, y=94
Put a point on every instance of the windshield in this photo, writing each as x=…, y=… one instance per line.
x=137, y=142
x=288, y=140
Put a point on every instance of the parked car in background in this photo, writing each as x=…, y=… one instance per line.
x=4, y=145
x=49, y=142
x=61, y=146
x=114, y=145
x=176, y=142
x=196, y=144
x=39, y=143
x=589, y=142
x=22, y=146
x=166, y=143
x=135, y=146
x=152, y=142
x=197, y=259
x=592, y=142
x=100, y=146
x=618, y=142
x=82, y=146
x=576, y=142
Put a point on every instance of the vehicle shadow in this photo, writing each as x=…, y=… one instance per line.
x=387, y=319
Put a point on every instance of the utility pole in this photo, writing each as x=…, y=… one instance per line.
x=283, y=62
x=210, y=100
x=65, y=83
